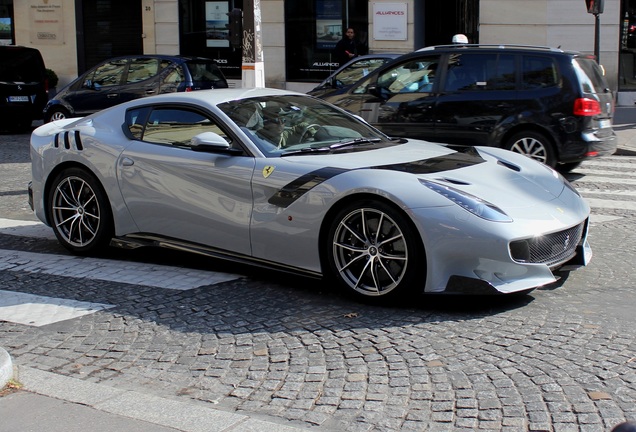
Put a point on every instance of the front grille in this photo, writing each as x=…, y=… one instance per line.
x=550, y=249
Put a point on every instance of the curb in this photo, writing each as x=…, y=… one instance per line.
x=6, y=368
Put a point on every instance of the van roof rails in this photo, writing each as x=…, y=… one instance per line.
x=460, y=46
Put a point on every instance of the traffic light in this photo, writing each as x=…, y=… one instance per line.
x=235, y=27
x=594, y=6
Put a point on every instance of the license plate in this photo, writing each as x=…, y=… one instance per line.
x=18, y=98
x=602, y=124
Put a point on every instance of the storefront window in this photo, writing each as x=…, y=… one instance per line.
x=312, y=29
x=203, y=33
x=627, y=79
x=6, y=22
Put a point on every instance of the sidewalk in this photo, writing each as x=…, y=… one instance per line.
x=59, y=403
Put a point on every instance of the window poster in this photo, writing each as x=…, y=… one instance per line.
x=216, y=21
x=328, y=23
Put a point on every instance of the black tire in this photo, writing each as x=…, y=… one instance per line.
x=79, y=212
x=56, y=113
x=533, y=144
x=374, y=252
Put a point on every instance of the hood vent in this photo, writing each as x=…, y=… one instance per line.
x=453, y=181
x=509, y=165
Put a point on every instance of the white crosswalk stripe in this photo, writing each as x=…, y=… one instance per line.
x=616, y=172
x=35, y=310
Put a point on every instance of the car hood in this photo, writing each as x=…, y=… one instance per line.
x=504, y=178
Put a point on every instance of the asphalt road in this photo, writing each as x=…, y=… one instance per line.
x=293, y=352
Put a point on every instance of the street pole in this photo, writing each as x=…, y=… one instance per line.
x=597, y=37
x=253, y=70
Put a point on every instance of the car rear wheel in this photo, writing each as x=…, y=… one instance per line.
x=79, y=212
x=57, y=113
x=535, y=145
x=373, y=251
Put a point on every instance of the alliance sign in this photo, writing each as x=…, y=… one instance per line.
x=389, y=21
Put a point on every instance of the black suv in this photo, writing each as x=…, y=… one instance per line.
x=552, y=105
x=23, y=86
x=122, y=79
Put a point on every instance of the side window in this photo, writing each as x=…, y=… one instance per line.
x=538, y=72
x=135, y=120
x=109, y=74
x=141, y=69
x=500, y=72
x=177, y=126
x=172, y=80
x=415, y=76
x=467, y=71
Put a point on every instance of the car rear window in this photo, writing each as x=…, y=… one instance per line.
x=204, y=71
x=20, y=65
x=590, y=75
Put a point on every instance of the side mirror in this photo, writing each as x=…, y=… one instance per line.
x=88, y=84
x=376, y=91
x=211, y=142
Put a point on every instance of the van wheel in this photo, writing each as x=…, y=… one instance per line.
x=535, y=145
x=57, y=113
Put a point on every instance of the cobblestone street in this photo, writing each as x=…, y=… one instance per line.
x=294, y=352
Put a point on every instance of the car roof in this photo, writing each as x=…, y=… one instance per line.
x=214, y=96
x=507, y=47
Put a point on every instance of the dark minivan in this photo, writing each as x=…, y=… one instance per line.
x=122, y=79
x=23, y=86
x=552, y=105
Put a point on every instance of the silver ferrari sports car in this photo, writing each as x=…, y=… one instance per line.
x=287, y=181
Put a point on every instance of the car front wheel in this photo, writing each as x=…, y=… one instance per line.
x=373, y=251
x=79, y=212
x=535, y=145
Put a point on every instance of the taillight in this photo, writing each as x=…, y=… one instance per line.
x=188, y=89
x=46, y=84
x=586, y=107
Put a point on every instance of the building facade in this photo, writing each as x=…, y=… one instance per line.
x=298, y=37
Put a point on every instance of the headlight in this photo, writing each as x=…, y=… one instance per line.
x=468, y=202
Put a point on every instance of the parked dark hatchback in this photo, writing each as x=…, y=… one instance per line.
x=552, y=105
x=122, y=79
x=23, y=86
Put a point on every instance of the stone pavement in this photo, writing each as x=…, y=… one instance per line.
x=76, y=404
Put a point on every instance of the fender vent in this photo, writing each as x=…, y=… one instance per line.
x=70, y=140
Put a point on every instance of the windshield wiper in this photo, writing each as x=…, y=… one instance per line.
x=306, y=151
x=355, y=141
x=336, y=146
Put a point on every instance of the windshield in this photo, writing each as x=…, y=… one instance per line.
x=280, y=125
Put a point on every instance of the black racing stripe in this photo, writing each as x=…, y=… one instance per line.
x=464, y=157
x=294, y=190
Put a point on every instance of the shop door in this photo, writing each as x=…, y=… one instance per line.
x=109, y=28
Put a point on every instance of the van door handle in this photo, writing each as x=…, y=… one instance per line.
x=112, y=95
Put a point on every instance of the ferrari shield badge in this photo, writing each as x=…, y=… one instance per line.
x=268, y=170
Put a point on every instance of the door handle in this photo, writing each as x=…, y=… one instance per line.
x=148, y=92
x=112, y=95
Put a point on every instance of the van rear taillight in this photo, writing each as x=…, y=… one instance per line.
x=586, y=107
x=188, y=89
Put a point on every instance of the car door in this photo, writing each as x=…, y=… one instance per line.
x=100, y=89
x=173, y=191
x=141, y=79
x=398, y=99
x=478, y=93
